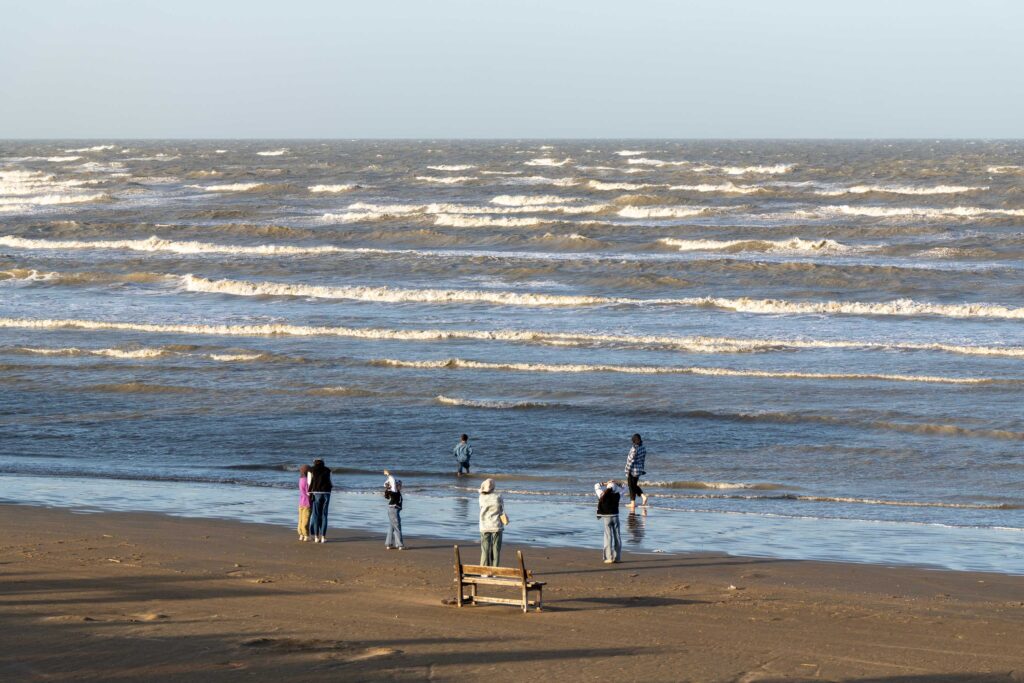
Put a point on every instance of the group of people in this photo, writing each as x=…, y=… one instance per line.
x=315, y=496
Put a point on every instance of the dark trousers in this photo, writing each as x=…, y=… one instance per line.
x=634, y=487
x=463, y=465
x=318, y=520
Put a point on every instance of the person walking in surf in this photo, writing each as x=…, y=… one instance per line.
x=634, y=470
x=463, y=452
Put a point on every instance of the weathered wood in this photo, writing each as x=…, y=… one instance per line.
x=458, y=577
x=510, y=572
x=473, y=575
x=493, y=581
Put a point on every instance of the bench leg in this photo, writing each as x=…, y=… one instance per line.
x=540, y=598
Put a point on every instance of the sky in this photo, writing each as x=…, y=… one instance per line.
x=512, y=69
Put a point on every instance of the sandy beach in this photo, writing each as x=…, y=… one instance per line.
x=117, y=596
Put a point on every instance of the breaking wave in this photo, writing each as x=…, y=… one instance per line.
x=900, y=189
x=446, y=180
x=128, y=354
x=332, y=188
x=157, y=244
x=530, y=200
x=491, y=405
x=626, y=187
x=452, y=167
x=919, y=211
x=725, y=188
x=547, y=161
x=712, y=345
x=794, y=244
x=460, y=363
x=272, y=153
x=230, y=187
x=96, y=148
x=663, y=211
x=461, y=221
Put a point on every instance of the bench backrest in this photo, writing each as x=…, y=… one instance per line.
x=519, y=572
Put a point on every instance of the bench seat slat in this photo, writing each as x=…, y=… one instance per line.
x=501, y=601
x=496, y=571
x=512, y=583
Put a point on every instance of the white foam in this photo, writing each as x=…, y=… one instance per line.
x=332, y=188
x=235, y=357
x=192, y=283
x=643, y=161
x=461, y=221
x=229, y=187
x=900, y=307
x=1006, y=169
x=775, y=169
x=725, y=188
x=97, y=148
x=712, y=345
x=459, y=363
x=452, y=167
x=501, y=172
x=900, y=189
x=919, y=211
x=272, y=153
x=128, y=354
x=793, y=244
x=547, y=161
x=611, y=187
x=542, y=180
x=446, y=180
x=493, y=405
x=530, y=200
x=629, y=153
x=662, y=211
x=157, y=244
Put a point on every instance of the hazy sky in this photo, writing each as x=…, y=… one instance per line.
x=512, y=68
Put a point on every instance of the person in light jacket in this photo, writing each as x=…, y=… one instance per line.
x=463, y=452
x=492, y=522
x=608, y=496
x=393, y=494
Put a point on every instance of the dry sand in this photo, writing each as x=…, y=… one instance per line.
x=126, y=597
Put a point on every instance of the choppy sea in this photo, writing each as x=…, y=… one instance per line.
x=821, y=342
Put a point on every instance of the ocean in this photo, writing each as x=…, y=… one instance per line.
x=822, y=342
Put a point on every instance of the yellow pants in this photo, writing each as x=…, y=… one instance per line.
x=303, y=521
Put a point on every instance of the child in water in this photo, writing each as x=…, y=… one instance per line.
x=393, y=494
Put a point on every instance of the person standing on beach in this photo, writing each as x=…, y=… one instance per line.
x=320, y=487
x=493, y=521
x=304, y=502
x=608, y=496
x=393, y=494
x=634, y=470
x=463, y=452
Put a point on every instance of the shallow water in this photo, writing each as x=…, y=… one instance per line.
x=820, y=341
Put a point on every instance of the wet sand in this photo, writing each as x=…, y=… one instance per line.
x=114, y=596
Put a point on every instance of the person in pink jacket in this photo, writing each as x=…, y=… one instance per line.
x=304, y=503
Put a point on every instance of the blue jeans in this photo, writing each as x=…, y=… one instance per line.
x=463, y=465
x=318, y=517
x=490, y=548
x=612, y=539
x=394, y=537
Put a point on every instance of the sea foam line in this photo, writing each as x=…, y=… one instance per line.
x=157, y=244
x=713, y=345
x=793, y=244
x=464, y=364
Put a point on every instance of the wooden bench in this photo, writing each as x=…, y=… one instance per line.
x=473, y=576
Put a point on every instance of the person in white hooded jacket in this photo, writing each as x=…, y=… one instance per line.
x=493, y=521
